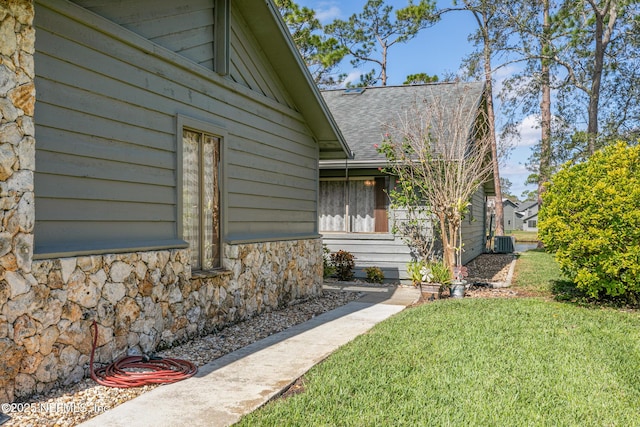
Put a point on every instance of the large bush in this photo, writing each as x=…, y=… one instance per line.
x=590, y=216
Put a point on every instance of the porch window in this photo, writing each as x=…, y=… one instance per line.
x=200, y=198
x=357, y=205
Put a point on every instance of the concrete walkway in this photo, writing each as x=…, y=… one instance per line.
x=236, y=384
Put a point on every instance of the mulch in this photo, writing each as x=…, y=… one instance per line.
x=486, y=270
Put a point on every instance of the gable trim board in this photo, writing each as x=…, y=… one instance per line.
x=221, y=37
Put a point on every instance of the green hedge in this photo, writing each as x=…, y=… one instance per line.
x=590, y=217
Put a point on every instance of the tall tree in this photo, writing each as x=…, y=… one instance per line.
x=419, y=78
x=544, y=169
x=367, y=36
x=321, y=53
x=592, y=26
x=492, y=38
x=582, y=71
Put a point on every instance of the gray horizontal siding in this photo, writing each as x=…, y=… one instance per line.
x=185, y=27
x=106, y=109
x=473, y=228
x=380, y=250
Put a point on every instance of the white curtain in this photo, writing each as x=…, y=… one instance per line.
x=191, y=194
x=333, y=208
x=362, y=195
x=211, y=155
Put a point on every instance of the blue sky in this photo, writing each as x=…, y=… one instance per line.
x=437, y=50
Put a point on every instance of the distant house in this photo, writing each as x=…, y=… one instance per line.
x=528, y=214
x=517, y=216
x=354, y=206
x=511, y=220
x=166, y=185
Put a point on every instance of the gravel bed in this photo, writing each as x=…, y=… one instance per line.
x=70, y=406
x=487, y=269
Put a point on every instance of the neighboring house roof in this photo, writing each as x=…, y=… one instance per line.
x=361, y=113
x=525, y=206
x=526, y=211
x=273, y=36
x=535, y=215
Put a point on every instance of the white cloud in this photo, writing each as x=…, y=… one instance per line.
x=352, y=77
x=327, y=11
x=529, y=129
x=514, y=169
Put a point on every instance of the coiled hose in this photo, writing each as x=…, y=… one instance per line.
x=136, y=371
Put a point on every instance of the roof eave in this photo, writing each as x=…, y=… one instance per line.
x=303, y=89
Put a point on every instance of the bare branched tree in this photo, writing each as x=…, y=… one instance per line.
x=440, y=152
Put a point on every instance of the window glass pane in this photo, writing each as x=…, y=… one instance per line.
x=210, y=198
x=191, y=195
x=362, y=197
x=332, y=206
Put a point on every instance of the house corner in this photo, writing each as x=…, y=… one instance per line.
x=17, y=164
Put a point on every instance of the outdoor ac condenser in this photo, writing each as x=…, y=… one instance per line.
x=503, y=244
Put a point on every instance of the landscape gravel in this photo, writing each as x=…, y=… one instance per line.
x=71, y=405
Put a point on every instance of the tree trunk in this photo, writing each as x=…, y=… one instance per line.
x=491, y=119
x=545, y=105
x=383, y=66
x=594, y=96
x=605, y=16
x=448, y=248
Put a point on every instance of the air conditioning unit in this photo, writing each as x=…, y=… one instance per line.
x=503, y=244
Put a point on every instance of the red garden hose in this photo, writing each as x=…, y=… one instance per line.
x=136, y=371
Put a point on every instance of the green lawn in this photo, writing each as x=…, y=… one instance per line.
x=478, y=362
x=537, y=272
x=524, y=236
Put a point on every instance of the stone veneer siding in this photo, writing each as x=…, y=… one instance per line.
x=141, y=301
x=17, y=164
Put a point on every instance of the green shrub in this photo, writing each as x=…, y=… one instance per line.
x=440, y=272
x=590, y=217
x=413, y=270
x=327, y=268
x=374, y=274
x=429, y=272
x=343, y=262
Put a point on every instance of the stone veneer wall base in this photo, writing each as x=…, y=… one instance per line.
x=142, y=302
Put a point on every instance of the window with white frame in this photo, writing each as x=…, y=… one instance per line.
x=356, y=205
x=201, y=197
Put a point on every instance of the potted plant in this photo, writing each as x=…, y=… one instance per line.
x=431, y=276
x=458, y=284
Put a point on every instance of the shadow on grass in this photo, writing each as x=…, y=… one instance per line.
x=567, y=291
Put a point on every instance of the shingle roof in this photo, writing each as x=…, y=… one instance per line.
x=361, y=114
